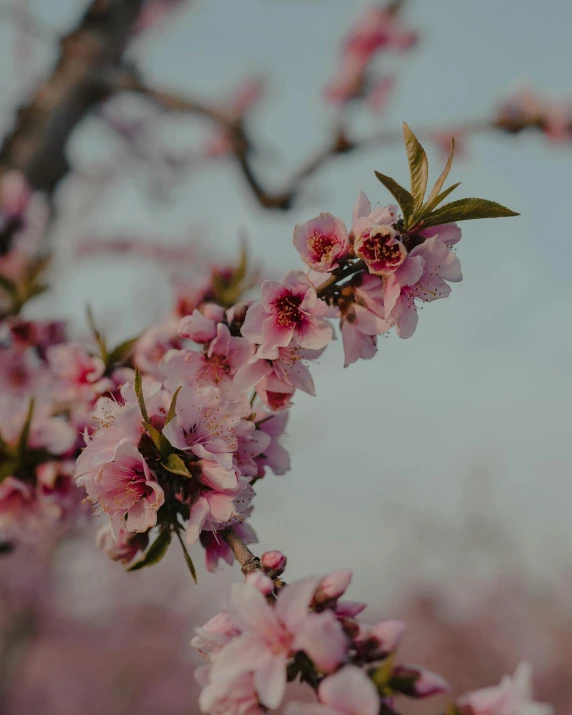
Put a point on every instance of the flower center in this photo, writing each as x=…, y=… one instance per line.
x=381, y=246
x=288, y=311
x=321, y=245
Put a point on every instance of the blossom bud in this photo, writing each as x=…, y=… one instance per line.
x=332, y=587
x=212, y=311
x=417, y=682
x=376, y=641
x=273, y=563
x=261, y=582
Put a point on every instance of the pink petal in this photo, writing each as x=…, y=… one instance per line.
x=294, y=602
x=350, y=691
x=270, y=681
x=252, y=326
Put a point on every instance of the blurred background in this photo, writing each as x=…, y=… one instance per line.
x=440, y=470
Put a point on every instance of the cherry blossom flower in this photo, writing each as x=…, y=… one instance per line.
x=277, y=373
x=513, y=696
x=80, y=374
x=217, y=549
x=269, y=638
x=289, y=312
x=322, y=242
x=422, y=277
x=217, y=366
x=204, y=424
x=125, y=488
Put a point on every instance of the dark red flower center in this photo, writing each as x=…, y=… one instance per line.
x=288, y=313
x=381, y=246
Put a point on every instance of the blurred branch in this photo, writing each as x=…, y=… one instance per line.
x=243, y=148
x=89, y=58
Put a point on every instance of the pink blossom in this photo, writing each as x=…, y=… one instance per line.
x=204, y=424
x=347, y=692
x=215, y=510
x=217, y=366
x=379, y=246
x=513, y=696
x=275, y=375
x=422, y=277
x=322, y=242
x=122, y=546
x=125, y=487
x=375, y=240
x=269, y=638
x=289, y=312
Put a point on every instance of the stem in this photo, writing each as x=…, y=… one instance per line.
x=339, y=276
x=247, y=560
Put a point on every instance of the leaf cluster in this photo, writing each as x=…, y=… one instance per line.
x=420, y=212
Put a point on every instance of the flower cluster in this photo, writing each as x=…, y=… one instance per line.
x=390, y=270
x=377, y=30
x=181, y=443
x=273, y=634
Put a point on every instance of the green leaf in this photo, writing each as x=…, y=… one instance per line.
x=140, y=398
x=172, y=407
x=25, y=433
x=8, y=468
x=188, y=560
x=466, y=210
x=442, y=196
x=122, y=351
x=239, y=273
x=401, y=195
x=155, y=552
x=161, y=443
x=441, y=180
x=418, y=165
x=176, y=465
x=99, y=339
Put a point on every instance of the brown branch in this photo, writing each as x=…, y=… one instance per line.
x=84, y=75
x=247, y=560
x=243, y=148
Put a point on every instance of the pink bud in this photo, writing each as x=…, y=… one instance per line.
x=333, y=586
x=261, y=582
x=198, y=328
x=273, y=563
x=349, y=609
x=424, y=682
x=378, y=640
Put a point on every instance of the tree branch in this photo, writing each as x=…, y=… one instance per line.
x=247, y=560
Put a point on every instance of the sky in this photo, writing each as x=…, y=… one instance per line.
x=469, y=416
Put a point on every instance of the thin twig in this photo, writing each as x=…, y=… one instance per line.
x=247, y=560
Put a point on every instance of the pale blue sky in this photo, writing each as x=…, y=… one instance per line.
x=484, y=384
